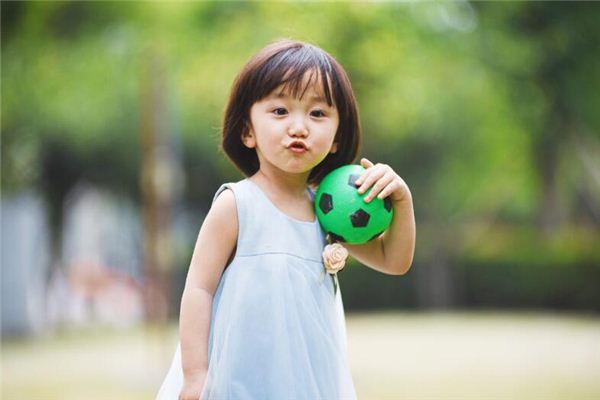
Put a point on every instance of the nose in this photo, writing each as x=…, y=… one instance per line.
x=298, y=128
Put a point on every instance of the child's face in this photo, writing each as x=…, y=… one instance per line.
x=279, y=120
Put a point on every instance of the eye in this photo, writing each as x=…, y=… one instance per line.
x=317, y=113
x=279, y=111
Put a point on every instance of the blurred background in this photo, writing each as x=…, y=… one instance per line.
x=111, y=115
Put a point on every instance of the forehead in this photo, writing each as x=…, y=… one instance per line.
x=310, y=86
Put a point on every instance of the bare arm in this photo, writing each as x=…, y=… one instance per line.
x=391, y=253
x=214, y=246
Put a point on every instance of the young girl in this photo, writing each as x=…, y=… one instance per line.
x=258, y=320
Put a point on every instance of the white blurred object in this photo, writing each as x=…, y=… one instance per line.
x=93, y=293
x=101, y=258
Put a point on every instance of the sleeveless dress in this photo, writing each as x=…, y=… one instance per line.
x=277, y=327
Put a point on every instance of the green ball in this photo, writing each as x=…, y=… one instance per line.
x=342, y=211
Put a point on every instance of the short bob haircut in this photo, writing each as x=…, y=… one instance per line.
x=285, y=62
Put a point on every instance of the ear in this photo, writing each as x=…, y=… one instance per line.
x=248, y=137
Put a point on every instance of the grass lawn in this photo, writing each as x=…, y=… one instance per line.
x=392, y=355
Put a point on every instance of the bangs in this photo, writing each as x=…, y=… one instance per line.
x=294, y=71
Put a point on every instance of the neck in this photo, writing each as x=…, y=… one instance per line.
x=289, y=184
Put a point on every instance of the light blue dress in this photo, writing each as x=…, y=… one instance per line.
x=277, y=328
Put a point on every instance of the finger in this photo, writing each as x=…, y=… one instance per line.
x=370, y=177
x=389, y=189
x=382, y=183
x=366, y=163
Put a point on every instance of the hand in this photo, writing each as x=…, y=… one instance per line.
x=384, y=180
x=192, y=387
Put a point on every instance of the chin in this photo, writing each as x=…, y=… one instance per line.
x=298, y=170
x=304, y=167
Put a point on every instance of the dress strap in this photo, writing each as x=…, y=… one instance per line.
x=222, y=188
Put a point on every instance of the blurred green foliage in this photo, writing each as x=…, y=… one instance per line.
x=487, y=110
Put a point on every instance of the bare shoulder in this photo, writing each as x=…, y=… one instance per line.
x=224, y=207
x=222, y=219
x=216, y=243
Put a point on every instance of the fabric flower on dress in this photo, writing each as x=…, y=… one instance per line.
x=334, y=257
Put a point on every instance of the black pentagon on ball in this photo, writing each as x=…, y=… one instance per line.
x=352, y=179
x=326, y=203
x=360, y=218
x=336, y=238
x=387, y=203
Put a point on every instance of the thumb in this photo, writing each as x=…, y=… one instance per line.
x=366, y=163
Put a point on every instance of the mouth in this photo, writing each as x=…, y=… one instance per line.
x=297, y=146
